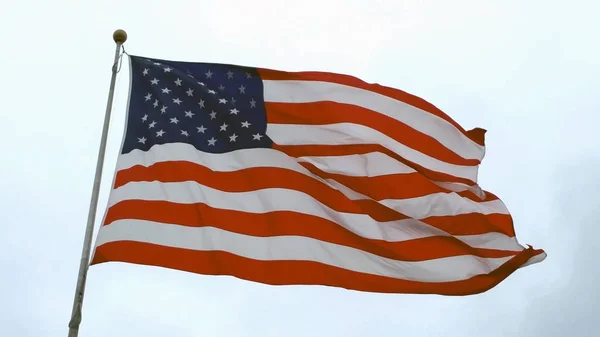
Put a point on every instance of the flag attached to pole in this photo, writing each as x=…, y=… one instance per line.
x=302, y=178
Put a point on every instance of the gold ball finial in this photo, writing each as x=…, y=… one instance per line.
x=120, y=36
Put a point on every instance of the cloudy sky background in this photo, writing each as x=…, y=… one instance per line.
x=527, y=71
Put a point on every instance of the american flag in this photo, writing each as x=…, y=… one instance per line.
x=302, y=178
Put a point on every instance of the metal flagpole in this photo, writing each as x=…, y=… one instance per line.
x=119, y=36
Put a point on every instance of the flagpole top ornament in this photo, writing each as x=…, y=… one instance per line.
x=120, y=36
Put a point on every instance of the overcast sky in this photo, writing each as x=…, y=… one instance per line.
x=527, y=71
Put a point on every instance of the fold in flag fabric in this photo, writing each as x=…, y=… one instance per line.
x=302, y=178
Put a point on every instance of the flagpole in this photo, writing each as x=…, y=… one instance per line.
x=119, y=36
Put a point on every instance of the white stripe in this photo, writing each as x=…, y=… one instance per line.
x=371, y=164
x=434, y=204
x=443, y=204
x=348, y=134
x=274, y=199
x=360, y=165
x=222, y=162
x=420, y=120
x=460, y=187
x=282, y=248
x=535, y=259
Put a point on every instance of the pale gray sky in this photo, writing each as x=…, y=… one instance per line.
x=528, y=71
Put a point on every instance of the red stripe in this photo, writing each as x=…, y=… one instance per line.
x=477, y=135
x=393, y=186
x=256, y=178
x=295, y=272
x=266, y=177
x=473, y=223
x=291, y=223
x=345, y=150
x=322, y=113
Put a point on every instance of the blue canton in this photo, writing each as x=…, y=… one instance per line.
x=216, y=108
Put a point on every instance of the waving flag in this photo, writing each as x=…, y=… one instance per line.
x=302, y=178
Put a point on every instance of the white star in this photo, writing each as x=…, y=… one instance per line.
x=166, y=90
x=174, y=120
x=178, y=82
x=145, y=72
x=246, y=124
x=154, y=81
x=202, y=84
x=177, y=101
x=242, y=89
x=213, y=115
x=148, y=96
x=223, y=127
x=189, y=114
x=168, y=70
x=190, y=75
x=201, y=129
x=212, y=92
x=201, y=103
x=252, y=103
x=232, y=138
x=160, y=133
x=257, y=136
x=221, y=87
x=151, y=125
x=248, y=75
x=142, y=140
x=156, y=63
x=190, y=92
x=212, y=141
x=222, y=101
x=230, y=74
x=234, y=111
x=155, y=103
x=185, y=133
x=208, y=74
x=163, y=110
x=145, y=118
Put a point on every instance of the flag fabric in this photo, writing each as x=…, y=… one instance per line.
x=305, y=178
